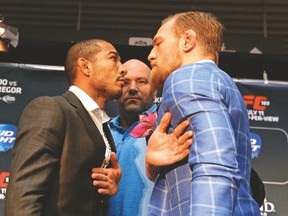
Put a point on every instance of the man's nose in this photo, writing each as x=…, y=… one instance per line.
x=123, y=71
x=151, y=55
x=133, y=85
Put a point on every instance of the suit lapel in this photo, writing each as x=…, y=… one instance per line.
x=109, y=137
x=89, y=124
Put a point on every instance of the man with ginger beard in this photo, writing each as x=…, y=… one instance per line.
x=214, y=179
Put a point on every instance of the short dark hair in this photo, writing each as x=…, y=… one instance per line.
x=83, y=49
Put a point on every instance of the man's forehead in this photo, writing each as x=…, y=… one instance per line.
x=162, y=31
x=135, y=64
x=137, y=73
x=108, y=48
x=167, y=25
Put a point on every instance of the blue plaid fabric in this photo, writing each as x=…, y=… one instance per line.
x=214, y=180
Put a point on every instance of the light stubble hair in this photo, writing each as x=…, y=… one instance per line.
x=87, y=49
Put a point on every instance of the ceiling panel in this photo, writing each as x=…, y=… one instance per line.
x=116, y=20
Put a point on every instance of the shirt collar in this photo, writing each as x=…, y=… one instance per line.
x=89, y=104
x=115, y=123
x=204, y=60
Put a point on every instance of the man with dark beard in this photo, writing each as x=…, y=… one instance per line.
x=61, y=139
x=134, y=187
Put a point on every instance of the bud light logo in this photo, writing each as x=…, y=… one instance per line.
x=256, y=144
x=7, y=137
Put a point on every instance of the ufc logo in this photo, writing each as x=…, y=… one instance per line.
x=4, y=179
x=257, y=102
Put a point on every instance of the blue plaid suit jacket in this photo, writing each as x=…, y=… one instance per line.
x=214, y=179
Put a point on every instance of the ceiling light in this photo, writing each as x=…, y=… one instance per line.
x=8, y=35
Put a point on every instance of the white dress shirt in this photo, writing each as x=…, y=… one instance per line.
x=97, y=114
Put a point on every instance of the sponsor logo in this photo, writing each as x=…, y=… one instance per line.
x=8, y=99
x=256, y=107
x=4, y=179
x=7, y=140
x=268, y=208
x=7, y=137
x=256, y=144
x=256, y=102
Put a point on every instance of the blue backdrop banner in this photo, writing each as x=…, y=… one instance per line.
x=267, y=105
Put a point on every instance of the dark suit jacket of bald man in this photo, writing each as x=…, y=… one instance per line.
x=57, y=146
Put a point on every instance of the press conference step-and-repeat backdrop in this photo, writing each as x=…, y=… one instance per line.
x=267, y=105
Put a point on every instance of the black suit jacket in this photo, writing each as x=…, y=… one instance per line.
x=57, y=145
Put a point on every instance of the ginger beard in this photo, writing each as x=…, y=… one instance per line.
x=159, y=73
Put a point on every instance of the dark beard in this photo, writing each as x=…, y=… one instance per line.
x=107, y=93
x=134, y=109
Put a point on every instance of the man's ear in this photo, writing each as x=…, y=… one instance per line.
x=189, y=40
x=85, y=66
